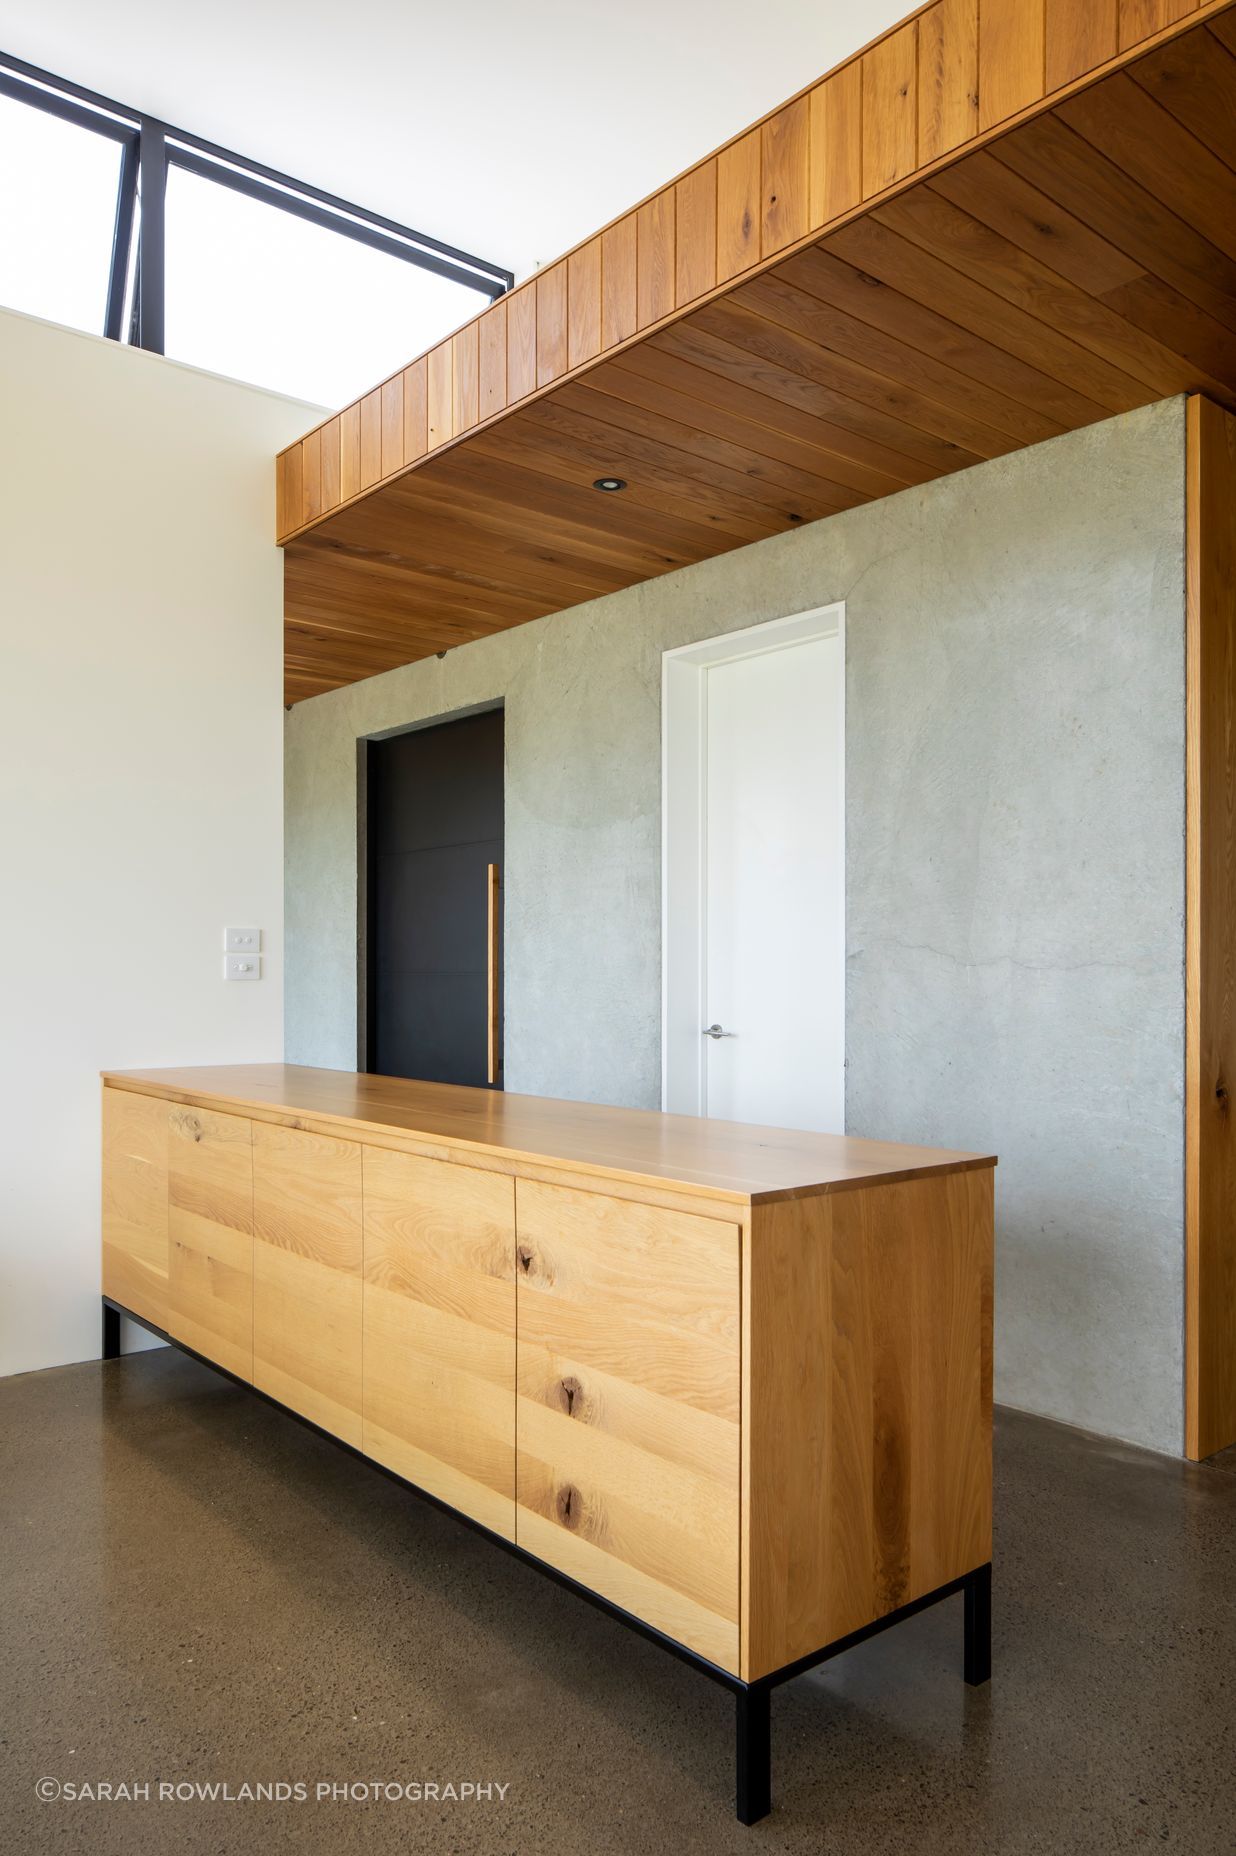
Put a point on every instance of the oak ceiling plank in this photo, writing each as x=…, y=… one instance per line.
x=349, y=452
x=1194, y=79
x=437, y=537
x=655, y=260
x=512, y=558
x=1204, y=347
x=331, y=458
x=311, y=635
x=890, y=109
x=521, y=342
x=1154, y=329
x=870, y=298
x=335, y=629
x=868, y=434
x=311, y=475
x=652, y=483
x=739, y=193
x=440, y=397
x=1028, y=218
x=599, y=423
x=624, y=399
x=492, y=361
x=304, y=647
x=1080, y=34
x=837, y=143
x=465, y=377
x=289, y=483
x=873, y=246
x=349, y=588
x=780, y=298
x=551, y=323
x=584, y=303
x=661, y=387
x=883, y=406
x=1020, y=303
x=1012, y=54
x=371, y=439
x=695, y=246
x=1120, y=363
x=338, y=633
x=1139, y=18
x=1067, y=168
x=948, y=77
x=785, y=169
x=506, y=496
x=1119, y=119
x=780, y=429
x=379, y=592
x=393, y=447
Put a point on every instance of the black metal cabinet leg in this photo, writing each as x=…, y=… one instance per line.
x=754, y=1748
x=978, y=1627
x=111, y=1333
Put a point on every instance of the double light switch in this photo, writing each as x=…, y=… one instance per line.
x=242, y=953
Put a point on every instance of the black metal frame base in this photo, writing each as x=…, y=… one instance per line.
x=752, y=1710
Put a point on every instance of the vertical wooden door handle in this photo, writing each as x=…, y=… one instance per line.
x=494, y=882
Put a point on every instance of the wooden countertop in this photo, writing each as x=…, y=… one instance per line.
x=726, y=1159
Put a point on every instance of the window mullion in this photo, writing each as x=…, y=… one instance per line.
x=122, y=240
x=151, y=237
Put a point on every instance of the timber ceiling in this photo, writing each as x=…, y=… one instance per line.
x=975, y=289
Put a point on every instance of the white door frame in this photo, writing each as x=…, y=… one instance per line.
x=684, y=836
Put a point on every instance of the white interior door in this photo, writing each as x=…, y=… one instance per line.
x=755, y=752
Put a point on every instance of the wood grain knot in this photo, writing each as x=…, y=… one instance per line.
x=569, y=1506
x=526, y=1258
x=570, y=1396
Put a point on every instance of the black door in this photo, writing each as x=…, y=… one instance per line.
x=434, y=832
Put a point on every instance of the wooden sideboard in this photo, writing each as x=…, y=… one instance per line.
x=732, y=1383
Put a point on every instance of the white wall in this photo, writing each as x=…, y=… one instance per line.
x=141, y=741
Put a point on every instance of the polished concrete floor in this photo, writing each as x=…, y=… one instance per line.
x=197, y=1591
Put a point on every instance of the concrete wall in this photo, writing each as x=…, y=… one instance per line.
x=1015, y=805
x=141, y=737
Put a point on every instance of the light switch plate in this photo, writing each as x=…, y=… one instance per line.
x=242, y=967
x=242, y=940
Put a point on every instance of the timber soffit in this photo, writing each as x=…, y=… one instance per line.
x=987, y=227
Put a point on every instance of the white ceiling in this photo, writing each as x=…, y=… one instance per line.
x=510, y=130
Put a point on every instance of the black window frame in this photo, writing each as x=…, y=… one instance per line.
x=150, y=147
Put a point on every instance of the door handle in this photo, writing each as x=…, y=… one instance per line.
x=493, y=883
x=715, y=1031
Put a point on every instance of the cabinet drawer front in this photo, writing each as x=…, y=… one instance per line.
x=628, y=1410
x=307, y=1267
x=439, y=1316
x=135, y=1202
x=210, y=1231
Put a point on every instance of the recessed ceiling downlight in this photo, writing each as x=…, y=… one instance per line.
x=610, y=483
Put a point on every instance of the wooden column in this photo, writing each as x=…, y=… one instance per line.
x=1210, y=943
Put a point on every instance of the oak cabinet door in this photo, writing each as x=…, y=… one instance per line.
x=210, y=1232
x=627, y=1425
x=135, y=1202
x=307, y=1275
x=439, y=1323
